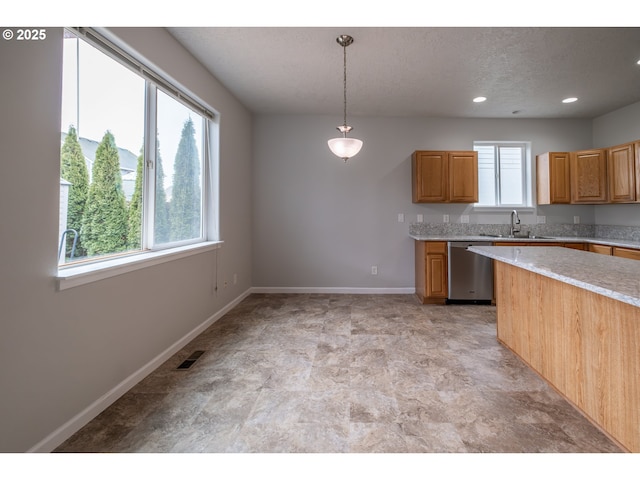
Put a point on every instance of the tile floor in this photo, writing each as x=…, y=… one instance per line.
x=343, y=373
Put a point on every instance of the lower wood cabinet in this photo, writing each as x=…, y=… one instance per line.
x=432, y=275
x=575, y=246
x=632, y=253
x=602, y=249
x=626, y=253
x=431, y=271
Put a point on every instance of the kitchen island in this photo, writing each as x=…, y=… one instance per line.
x=574, y=317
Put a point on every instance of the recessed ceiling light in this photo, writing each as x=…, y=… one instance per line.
x=479, y=99
x=638, y=62
x=570, y=100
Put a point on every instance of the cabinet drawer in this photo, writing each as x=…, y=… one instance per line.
x=436, y=247
x=575, y=246
x=603, y=249
x=626, y=253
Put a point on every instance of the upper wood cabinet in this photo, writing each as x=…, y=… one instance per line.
x=589, y=176
x=608, y=175
x=444, y=176
x=553, y=179
x=623, y=171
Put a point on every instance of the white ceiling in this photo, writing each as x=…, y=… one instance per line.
x=400, y=71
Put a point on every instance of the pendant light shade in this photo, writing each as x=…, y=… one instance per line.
x=344, y=147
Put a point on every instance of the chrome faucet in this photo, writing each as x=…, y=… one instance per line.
x=515, y=225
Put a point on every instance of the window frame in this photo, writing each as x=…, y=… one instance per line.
x=526, y=178
x=105, y=266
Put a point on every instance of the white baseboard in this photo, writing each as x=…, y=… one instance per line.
x=338, y=290
x=65, y=431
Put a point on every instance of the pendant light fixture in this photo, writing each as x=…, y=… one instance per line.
x=344, y=147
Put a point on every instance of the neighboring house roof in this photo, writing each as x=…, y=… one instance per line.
x=128, y=160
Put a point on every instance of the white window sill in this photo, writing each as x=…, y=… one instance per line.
x=69, y=277
x=500, y=209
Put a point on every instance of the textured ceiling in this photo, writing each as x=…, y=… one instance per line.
x=424, y=71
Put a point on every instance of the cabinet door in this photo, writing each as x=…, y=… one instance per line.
x=621, y=171
x=429, y=177
x=463, y=177
x=436, y=275
x=589, y=176
x=636, y=147
x=603, y=249
x=553, y=184
x=436, y=288
x=626, y=253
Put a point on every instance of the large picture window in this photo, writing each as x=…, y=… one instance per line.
x=135, y=157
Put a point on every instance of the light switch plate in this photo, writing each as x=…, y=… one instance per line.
x=542, y=219
x=401, y=217
x=464, y=218
x=576, y=219
x=420, y=218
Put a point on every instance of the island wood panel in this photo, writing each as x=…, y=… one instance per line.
x=584, y=344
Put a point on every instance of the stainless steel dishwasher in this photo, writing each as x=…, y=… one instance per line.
x=470, y=275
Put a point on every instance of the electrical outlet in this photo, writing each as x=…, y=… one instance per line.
x=420, y=218
x=226, y=284
x=374, y=270
x=445, y=218
x=576, y=219
x=464, y=218
x=542, y=219
x=401, y=218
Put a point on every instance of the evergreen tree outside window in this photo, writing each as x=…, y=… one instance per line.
x=161, y=223
x=74, y=170
x=186, y=196
x=123, y=203
x=134, y=231
x=104, y=225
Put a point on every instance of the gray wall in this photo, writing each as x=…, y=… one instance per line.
x=618, y=127
x=321, y=224
x=62, y=353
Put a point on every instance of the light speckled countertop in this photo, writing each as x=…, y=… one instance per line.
x=483, y=238
x=614, y=277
